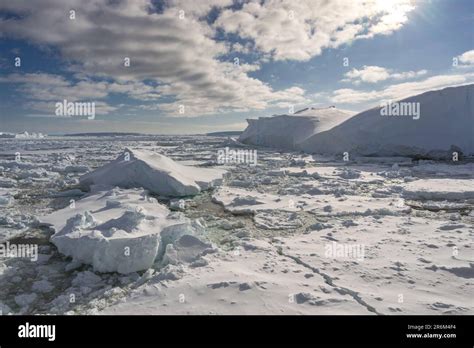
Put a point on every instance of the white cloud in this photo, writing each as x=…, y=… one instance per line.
x=400, y=90
x=44, y=90
x=49, y=108
x=239, y=48
x=467, y=58
x=300, y=30
x=197, y=8
x=369, y=74
x=373, y=74
x=408, y=74
x=181, y=56
x=36, y=78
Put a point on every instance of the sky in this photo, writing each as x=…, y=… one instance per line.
x=187, y=67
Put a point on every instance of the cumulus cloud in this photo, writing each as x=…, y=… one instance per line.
x=467, y=58
x=373, y=74
x=369, y=74
x=400, y=90
x=300, y=30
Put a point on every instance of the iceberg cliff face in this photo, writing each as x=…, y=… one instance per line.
x=154, y=172
x=445, y=124
x=289, y=131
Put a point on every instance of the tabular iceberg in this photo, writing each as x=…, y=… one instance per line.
x=445, y=124
x=289, y=131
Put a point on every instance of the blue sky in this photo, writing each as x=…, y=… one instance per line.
x=183, y=75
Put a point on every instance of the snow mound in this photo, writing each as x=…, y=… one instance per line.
x=445, y=124
x=117, y=230
x=154, y=172
x=289, y=131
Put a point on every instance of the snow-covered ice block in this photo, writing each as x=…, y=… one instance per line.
x=154, y=172
x=117, y=230
x=440, y=189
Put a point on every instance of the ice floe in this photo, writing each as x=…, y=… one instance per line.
x=440, y=189
x=117, y=230
x=154, y=172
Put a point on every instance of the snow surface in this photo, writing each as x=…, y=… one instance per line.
x=289, y=131
x=154, y=172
